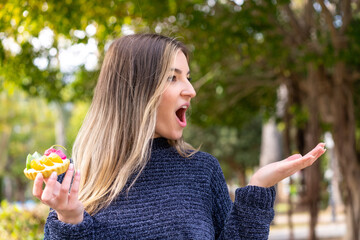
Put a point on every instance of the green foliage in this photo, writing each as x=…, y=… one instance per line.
x=231, y=146
x=63, y=19
x=26, y=125
x=353, y=33
x=18, y=223
x=231, y=43
x=78, y=114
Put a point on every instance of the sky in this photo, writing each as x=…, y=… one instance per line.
x=66, y=56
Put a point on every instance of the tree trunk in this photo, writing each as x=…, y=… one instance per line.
x=271, y=150
x=345, y=148
x=4, y=143
x=239, y=170
x=312, y=136
x=241, y=175
x=312, y=181
x=20, y=189
x=287, y=152
x=8, y=188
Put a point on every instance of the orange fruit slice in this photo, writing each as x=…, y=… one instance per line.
x=53, y=157
x=46, y=161
x=36, y=164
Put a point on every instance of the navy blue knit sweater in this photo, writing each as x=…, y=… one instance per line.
x=176, y=198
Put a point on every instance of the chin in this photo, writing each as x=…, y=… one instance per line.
x=170, y=134
x=174, y=136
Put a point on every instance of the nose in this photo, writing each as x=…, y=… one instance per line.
x=188, y=90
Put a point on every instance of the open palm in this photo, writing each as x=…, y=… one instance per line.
x=271, y=174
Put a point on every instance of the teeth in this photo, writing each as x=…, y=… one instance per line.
x=184, y=107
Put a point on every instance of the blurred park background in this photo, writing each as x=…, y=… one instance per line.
x=273, y=78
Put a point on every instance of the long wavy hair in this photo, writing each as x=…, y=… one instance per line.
x=114, y=142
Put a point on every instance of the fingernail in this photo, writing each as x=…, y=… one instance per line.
x=38, y=175
x=71, y=166
x=53, y=175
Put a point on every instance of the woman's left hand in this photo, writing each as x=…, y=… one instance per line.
x=272, y=173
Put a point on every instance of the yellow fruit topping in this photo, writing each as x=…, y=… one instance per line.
x=58, y=168
x=46, y=161
x=36, y=164
x=52, y=161
x=55, y=158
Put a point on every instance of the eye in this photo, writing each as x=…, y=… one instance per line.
x=188, y=77
x=172, y=78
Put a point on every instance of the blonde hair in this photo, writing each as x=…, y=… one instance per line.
x=114, y=142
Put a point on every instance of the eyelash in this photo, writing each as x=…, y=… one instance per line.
x=173, y=78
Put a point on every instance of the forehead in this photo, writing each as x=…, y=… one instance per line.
x=181, y=62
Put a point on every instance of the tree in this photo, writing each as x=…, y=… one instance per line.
x=310, y=46
x=26, y=125
x=242, y=52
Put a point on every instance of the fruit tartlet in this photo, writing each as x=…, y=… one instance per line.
x=52, y=161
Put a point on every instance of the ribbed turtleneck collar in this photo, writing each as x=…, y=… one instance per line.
x=160, y=143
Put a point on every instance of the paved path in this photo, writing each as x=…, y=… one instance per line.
x=326, y=229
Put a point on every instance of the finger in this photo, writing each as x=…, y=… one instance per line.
x=75, y=188
x=48, y=193
x=317, y=151
x=65, y=186
x=291, y=167
x=56, y=189
x=38, y=185
x=320, y=151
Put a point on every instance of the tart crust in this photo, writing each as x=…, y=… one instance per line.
x=59, y=168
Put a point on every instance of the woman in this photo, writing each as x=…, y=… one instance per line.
x=139, y=179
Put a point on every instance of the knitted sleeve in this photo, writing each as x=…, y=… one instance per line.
x=249, y=217
x=56, y=229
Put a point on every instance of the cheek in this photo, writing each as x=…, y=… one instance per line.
x=163, y=108
x=166, y=101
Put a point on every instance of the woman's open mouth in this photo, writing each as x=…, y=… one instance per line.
x=181, y=115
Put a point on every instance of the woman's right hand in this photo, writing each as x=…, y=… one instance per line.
x=57, y=196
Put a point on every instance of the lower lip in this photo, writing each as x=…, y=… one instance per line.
x=182, y=124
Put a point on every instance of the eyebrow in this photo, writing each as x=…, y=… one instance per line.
x=178, y=70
